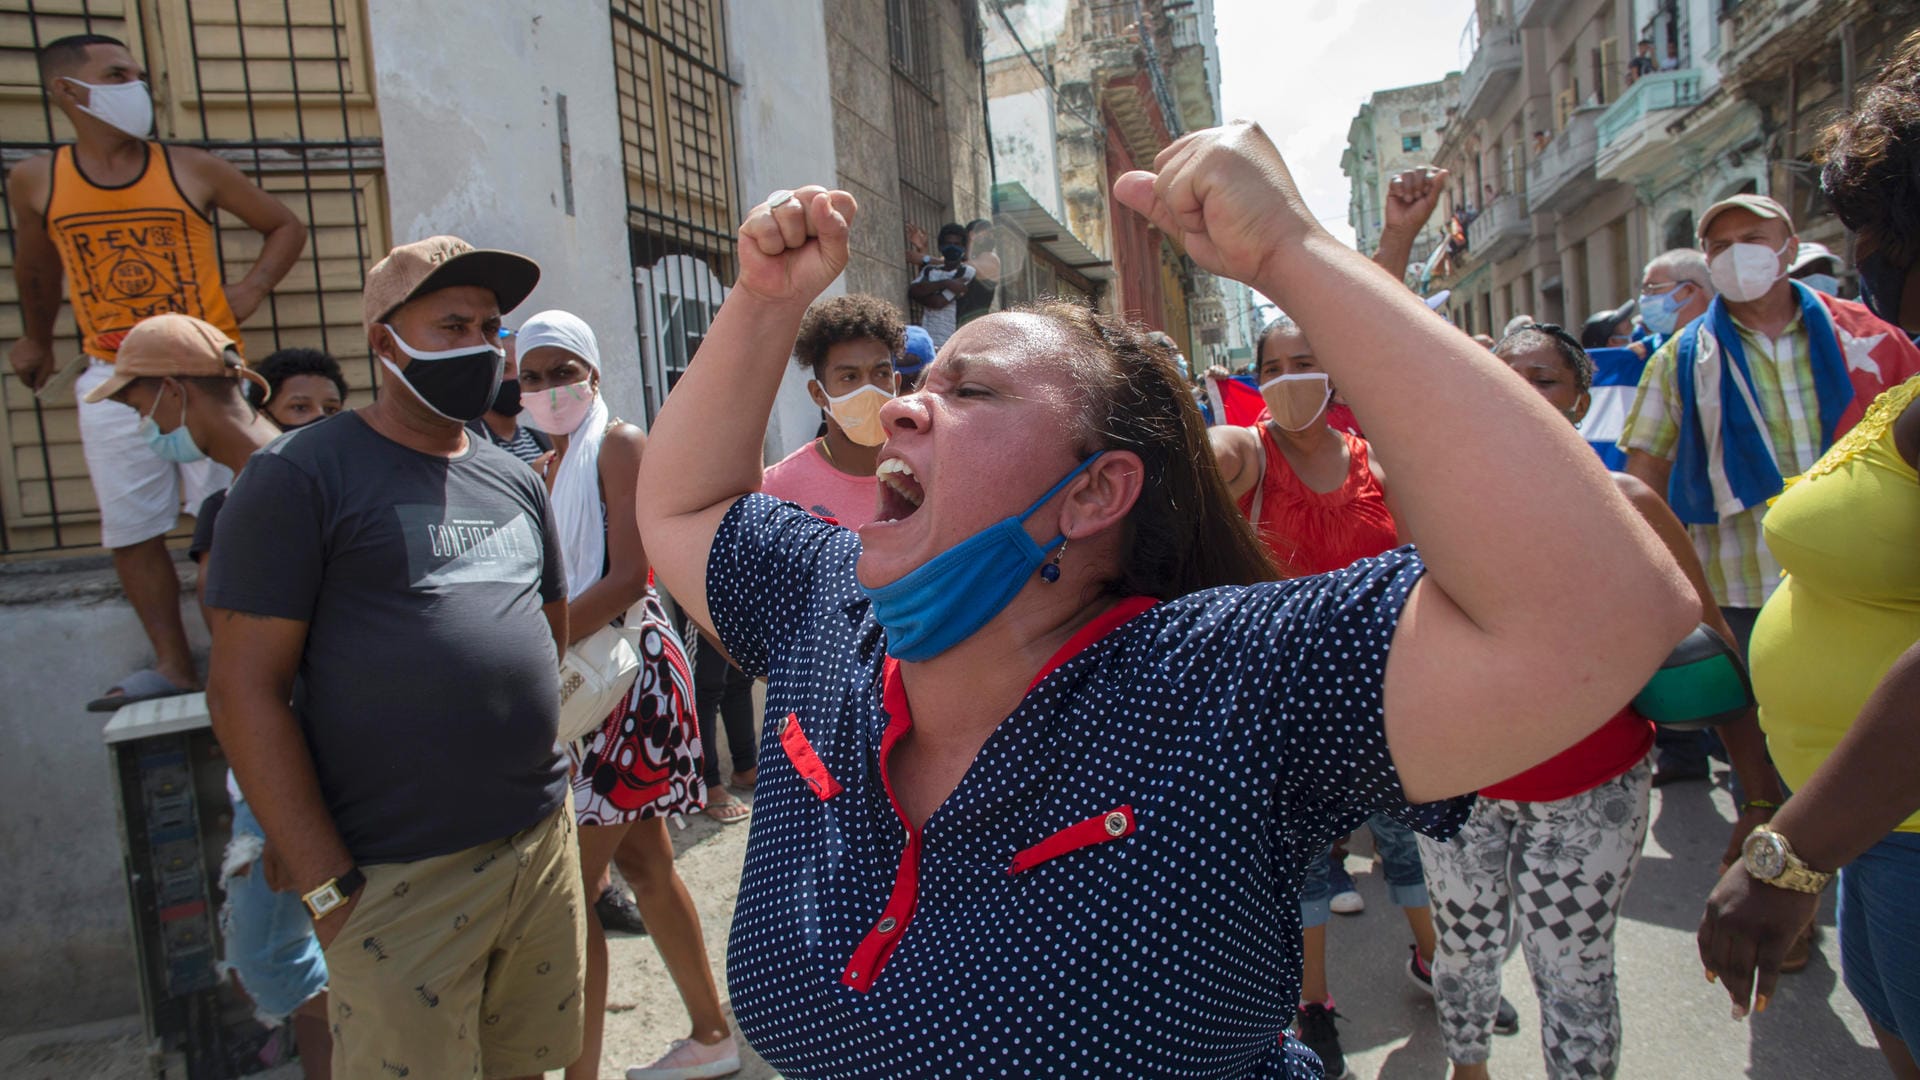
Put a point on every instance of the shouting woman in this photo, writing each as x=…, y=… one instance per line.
x=1052, y=756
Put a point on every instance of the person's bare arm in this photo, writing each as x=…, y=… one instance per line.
x=556, y=615
x=1649, y=470
x=1411, y=196
x=704, y=451
x=249, y=687
x=231, y=191
x=625, y=581
x=1479, y=683
x=1380, y=477
x=37, y=272
x=1862, y=792
x=930, y=294
x=1746, y=746
x=1235, y=450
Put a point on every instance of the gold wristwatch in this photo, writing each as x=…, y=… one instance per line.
x=1769, y=858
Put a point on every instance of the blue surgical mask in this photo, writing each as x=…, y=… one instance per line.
x=1660, y=311
x=1824, y=283
x=943, y=601
x=176, y=445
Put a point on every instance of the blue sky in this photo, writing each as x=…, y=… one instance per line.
x=1302, y=69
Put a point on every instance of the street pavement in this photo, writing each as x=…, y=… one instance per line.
x=1677, y=1024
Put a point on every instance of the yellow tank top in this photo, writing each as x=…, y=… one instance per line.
x=133, y=251
x=1850, y=602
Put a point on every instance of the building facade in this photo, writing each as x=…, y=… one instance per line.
x=1572, y=165
x=1080, y=91
x=1394, y=130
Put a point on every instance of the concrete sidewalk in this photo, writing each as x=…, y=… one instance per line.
x=1676, y=1023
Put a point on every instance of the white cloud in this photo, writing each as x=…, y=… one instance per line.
x=1303, y=68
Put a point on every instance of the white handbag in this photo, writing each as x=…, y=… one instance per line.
x=596, y=674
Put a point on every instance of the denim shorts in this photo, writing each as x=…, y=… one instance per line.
x=268, y=935
x=1399, y=853
x=1879, y=940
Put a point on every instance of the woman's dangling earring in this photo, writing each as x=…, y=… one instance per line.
x=1050, y=573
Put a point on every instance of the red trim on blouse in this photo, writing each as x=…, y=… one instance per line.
x=871, y=955
x=805, y=761
x=1115, y=824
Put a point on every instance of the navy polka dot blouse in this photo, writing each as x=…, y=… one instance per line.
x=1112, y=889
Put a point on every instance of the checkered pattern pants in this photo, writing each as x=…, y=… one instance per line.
x=1562, y=868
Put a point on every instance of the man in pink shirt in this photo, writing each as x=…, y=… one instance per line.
x=850, y=343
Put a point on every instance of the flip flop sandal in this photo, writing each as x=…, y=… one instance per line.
x=143, y=685
x=731, y=812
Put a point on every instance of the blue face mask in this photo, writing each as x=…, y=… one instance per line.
x=1660, y=311
x=1823, y=283
x=942, y=602
x=176, y=445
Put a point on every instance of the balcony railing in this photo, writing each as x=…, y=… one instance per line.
x=1494, y=69
x=1562, y=173
x=1501, y=229
x=1534, y=14
x=1649, y=94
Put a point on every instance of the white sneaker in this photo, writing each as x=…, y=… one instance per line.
x=688, y=1059
x=1347, y=903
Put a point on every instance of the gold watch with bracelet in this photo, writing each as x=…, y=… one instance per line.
x=1770, y=859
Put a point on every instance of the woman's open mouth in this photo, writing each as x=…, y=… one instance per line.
x=900, y=491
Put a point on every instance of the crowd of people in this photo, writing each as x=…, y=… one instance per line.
x=1072, y=699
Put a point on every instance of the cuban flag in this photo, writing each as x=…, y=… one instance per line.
x=1616, y=376
x=1235, y=401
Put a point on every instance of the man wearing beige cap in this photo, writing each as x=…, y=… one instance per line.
x=1753, y=391
x=409, y=575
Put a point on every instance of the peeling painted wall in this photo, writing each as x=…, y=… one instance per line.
x=473, y=149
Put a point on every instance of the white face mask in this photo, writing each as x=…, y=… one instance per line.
x=1744, y=272
x=126, y=106
x=1822, y=283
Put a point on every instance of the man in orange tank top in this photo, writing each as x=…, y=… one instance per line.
x=128, y=224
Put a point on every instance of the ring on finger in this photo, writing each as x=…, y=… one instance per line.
x=781, y=198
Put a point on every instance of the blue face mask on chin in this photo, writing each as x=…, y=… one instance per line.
x=943, y=601
x=175, y=446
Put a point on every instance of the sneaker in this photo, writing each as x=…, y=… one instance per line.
x=1346, y=899
x=618, y=913
x=1315, y=1028
x=1506, y=1020
x=690, y=1059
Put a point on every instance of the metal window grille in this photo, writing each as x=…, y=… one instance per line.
x=286, y=95
x=926, y=181
x=683, y=206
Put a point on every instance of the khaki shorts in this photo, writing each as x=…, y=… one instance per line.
x=464, y=965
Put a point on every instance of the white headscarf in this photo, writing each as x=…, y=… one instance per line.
x=578, y=512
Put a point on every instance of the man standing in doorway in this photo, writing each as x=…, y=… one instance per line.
x=408, y=573
x=1754, y=390
x=129, y=224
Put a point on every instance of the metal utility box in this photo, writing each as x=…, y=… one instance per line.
x=170, y=789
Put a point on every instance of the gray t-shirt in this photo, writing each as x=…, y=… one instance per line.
x=428, y=691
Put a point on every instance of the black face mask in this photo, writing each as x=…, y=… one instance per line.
x=1882, y=286
x=458, y=384
x=506, y=400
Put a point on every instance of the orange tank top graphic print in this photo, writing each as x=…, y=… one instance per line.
x=133, y=251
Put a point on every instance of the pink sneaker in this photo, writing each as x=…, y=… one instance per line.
x=689, y=1059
